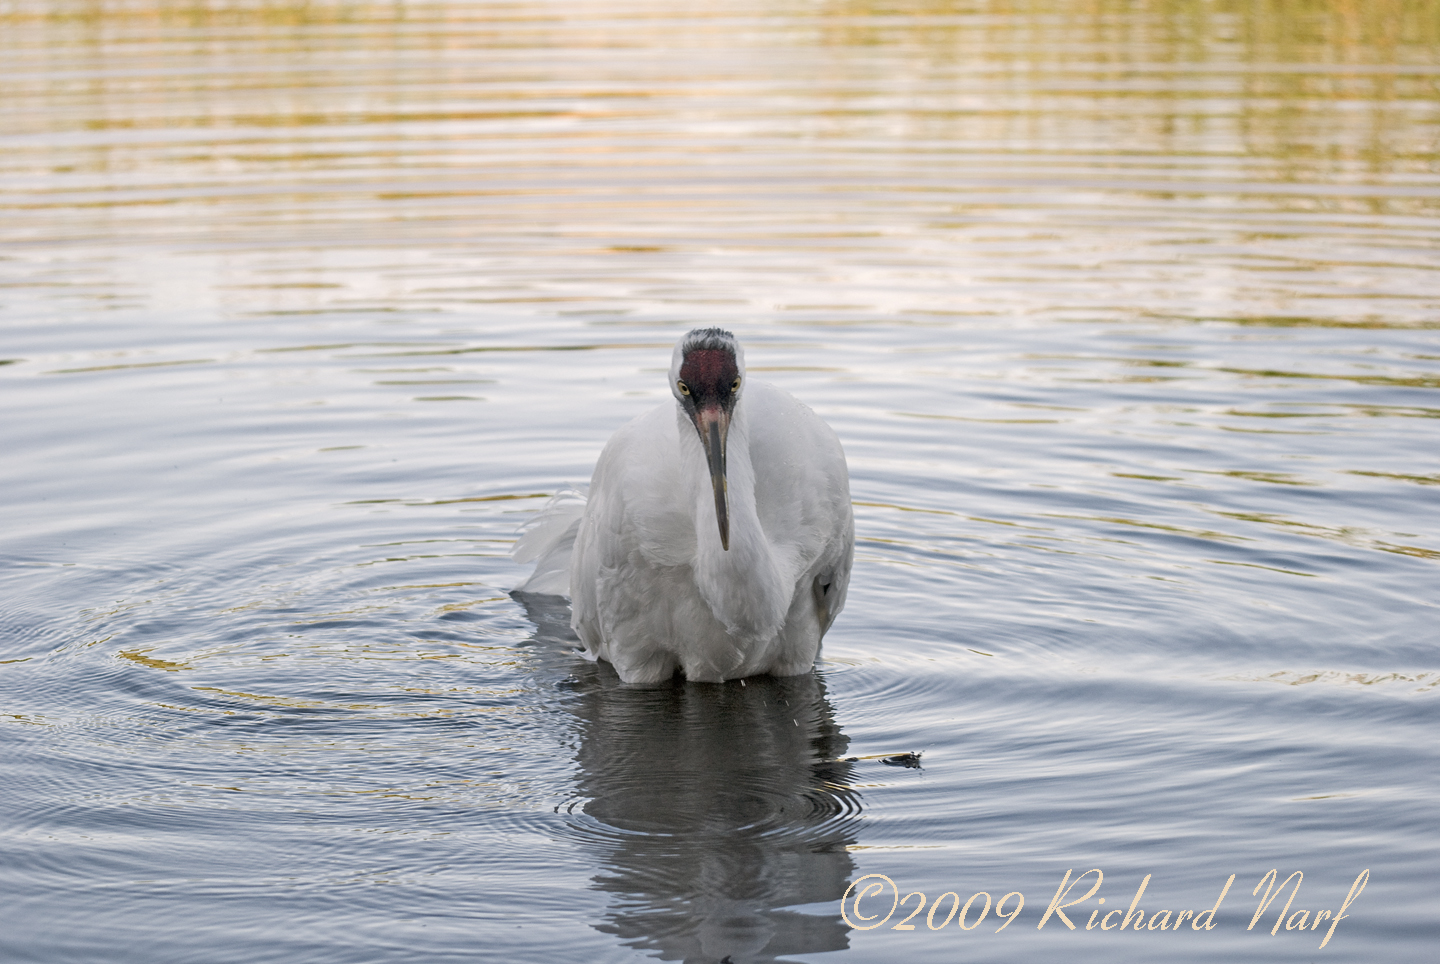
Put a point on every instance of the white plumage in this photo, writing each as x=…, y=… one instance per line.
x=717, y=536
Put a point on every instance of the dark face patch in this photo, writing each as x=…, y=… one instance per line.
x=710, y=373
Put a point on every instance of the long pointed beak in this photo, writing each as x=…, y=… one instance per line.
x=713, y=424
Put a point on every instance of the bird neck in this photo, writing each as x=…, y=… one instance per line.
x=742, y=585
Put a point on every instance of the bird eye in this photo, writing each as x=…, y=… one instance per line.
x=735, y=385
x=684, y=389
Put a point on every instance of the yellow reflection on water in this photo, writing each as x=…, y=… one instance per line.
x=927, y=162
x=255, y=94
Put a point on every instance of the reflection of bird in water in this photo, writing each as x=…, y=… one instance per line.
x=713, y=812
x=717, y=537
x=713, y=815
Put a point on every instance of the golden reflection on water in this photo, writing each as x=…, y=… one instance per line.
x=266, y=114
x=831, y=165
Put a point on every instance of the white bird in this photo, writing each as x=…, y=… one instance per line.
x=717, y=536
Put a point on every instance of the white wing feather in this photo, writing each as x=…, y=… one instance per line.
x=549, y=540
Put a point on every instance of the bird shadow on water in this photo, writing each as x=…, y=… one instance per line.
x=712, y=811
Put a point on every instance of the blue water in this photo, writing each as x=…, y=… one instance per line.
x=1127, y=317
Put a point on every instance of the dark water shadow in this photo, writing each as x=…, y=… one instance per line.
x=712, y=811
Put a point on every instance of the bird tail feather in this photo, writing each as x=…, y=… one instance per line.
x=548, y=540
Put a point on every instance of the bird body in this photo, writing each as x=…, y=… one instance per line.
x=657, y=585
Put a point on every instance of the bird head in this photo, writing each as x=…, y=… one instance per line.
x=707, y=375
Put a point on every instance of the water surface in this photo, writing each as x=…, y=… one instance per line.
x=1127, y=314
